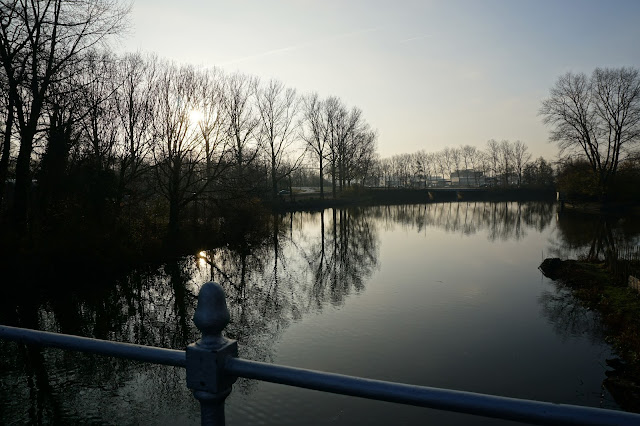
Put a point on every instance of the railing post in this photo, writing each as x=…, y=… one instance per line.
x=205, y=358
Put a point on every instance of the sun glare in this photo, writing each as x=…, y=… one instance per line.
x=195, y=116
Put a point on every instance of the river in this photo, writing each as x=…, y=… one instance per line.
x=442, y=294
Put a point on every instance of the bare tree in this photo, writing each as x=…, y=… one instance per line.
x=242, y=123
x=447, y=159
x=441, y=164
x=597, y=117
x=356, y=146
x=100, y=122
x=135, y=107
x=402, y=169
x=7, y=111
x=397, y=171
x=213, y=126
x=278, y=109
x=64, y=109
x=314, y=131
x=505, y=161
x=521, y=158
x=335, y=116
x=617, y=102
x=423, y=166
x=538, y=173
x=345, y=129
x=493, y=156
x=80, y=135
x=431, y=167
x=385, y=171
x=470, y=159
x=484, y=163
x=38, y=40
x=178, y=150
x=361, y=155
x=456, y=158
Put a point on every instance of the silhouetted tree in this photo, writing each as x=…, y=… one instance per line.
x=239, y=109
x=521, y=158
x=596, y=118
x=178, y=149
x=539, y=173
x=314, y=132
x=135, y=107
x=38, y=40
x=7, y=119
x=278, y=109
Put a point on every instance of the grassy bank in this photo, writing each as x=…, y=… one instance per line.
x=619, y=307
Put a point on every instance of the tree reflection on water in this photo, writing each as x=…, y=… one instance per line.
x=503, y=221
x=592, y=236
x=569, y=317
x=276, y=279
x=597, y=238
x=274, y=272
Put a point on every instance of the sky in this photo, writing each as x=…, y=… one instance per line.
x=426, y=74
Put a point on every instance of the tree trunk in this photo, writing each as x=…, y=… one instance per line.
x=321, y=180
x=6, y=150
x=274, y=180
x=175, y=200
x=23, y=178
x=333, y=179
x=53, y=165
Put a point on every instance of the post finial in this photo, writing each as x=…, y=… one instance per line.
x=212, y=315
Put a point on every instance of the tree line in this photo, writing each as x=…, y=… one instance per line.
x=501, y=163
x=97, y=136
x=595, y=121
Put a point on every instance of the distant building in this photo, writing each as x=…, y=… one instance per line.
x=434, y=182
x=416, y=182
x=468, y=177
x=439, y=182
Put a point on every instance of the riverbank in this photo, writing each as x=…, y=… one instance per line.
x=394, y=196
x=619, y=310
x=601, y=208
x=75, y=251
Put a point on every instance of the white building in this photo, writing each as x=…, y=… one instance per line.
x=468, y=177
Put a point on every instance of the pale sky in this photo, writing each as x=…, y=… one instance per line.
x=427, y=74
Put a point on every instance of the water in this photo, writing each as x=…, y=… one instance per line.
x=445, y=295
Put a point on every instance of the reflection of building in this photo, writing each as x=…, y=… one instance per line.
x=467, y=177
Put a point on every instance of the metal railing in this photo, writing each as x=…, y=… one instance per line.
x=213, y=366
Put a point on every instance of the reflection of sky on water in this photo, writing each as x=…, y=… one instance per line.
x=442, y=294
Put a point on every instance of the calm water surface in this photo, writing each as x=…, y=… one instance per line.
x=445, y=295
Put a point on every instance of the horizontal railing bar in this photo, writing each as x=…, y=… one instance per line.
x=101, y=347
x=532, y=412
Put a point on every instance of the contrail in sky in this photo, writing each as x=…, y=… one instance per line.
x=302, y=45
x=262, y=55
x=415, y=38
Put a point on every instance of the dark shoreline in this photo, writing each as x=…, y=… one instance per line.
x=593, y=284
x=393, y=196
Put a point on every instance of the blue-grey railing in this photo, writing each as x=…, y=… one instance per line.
x=213, y=366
